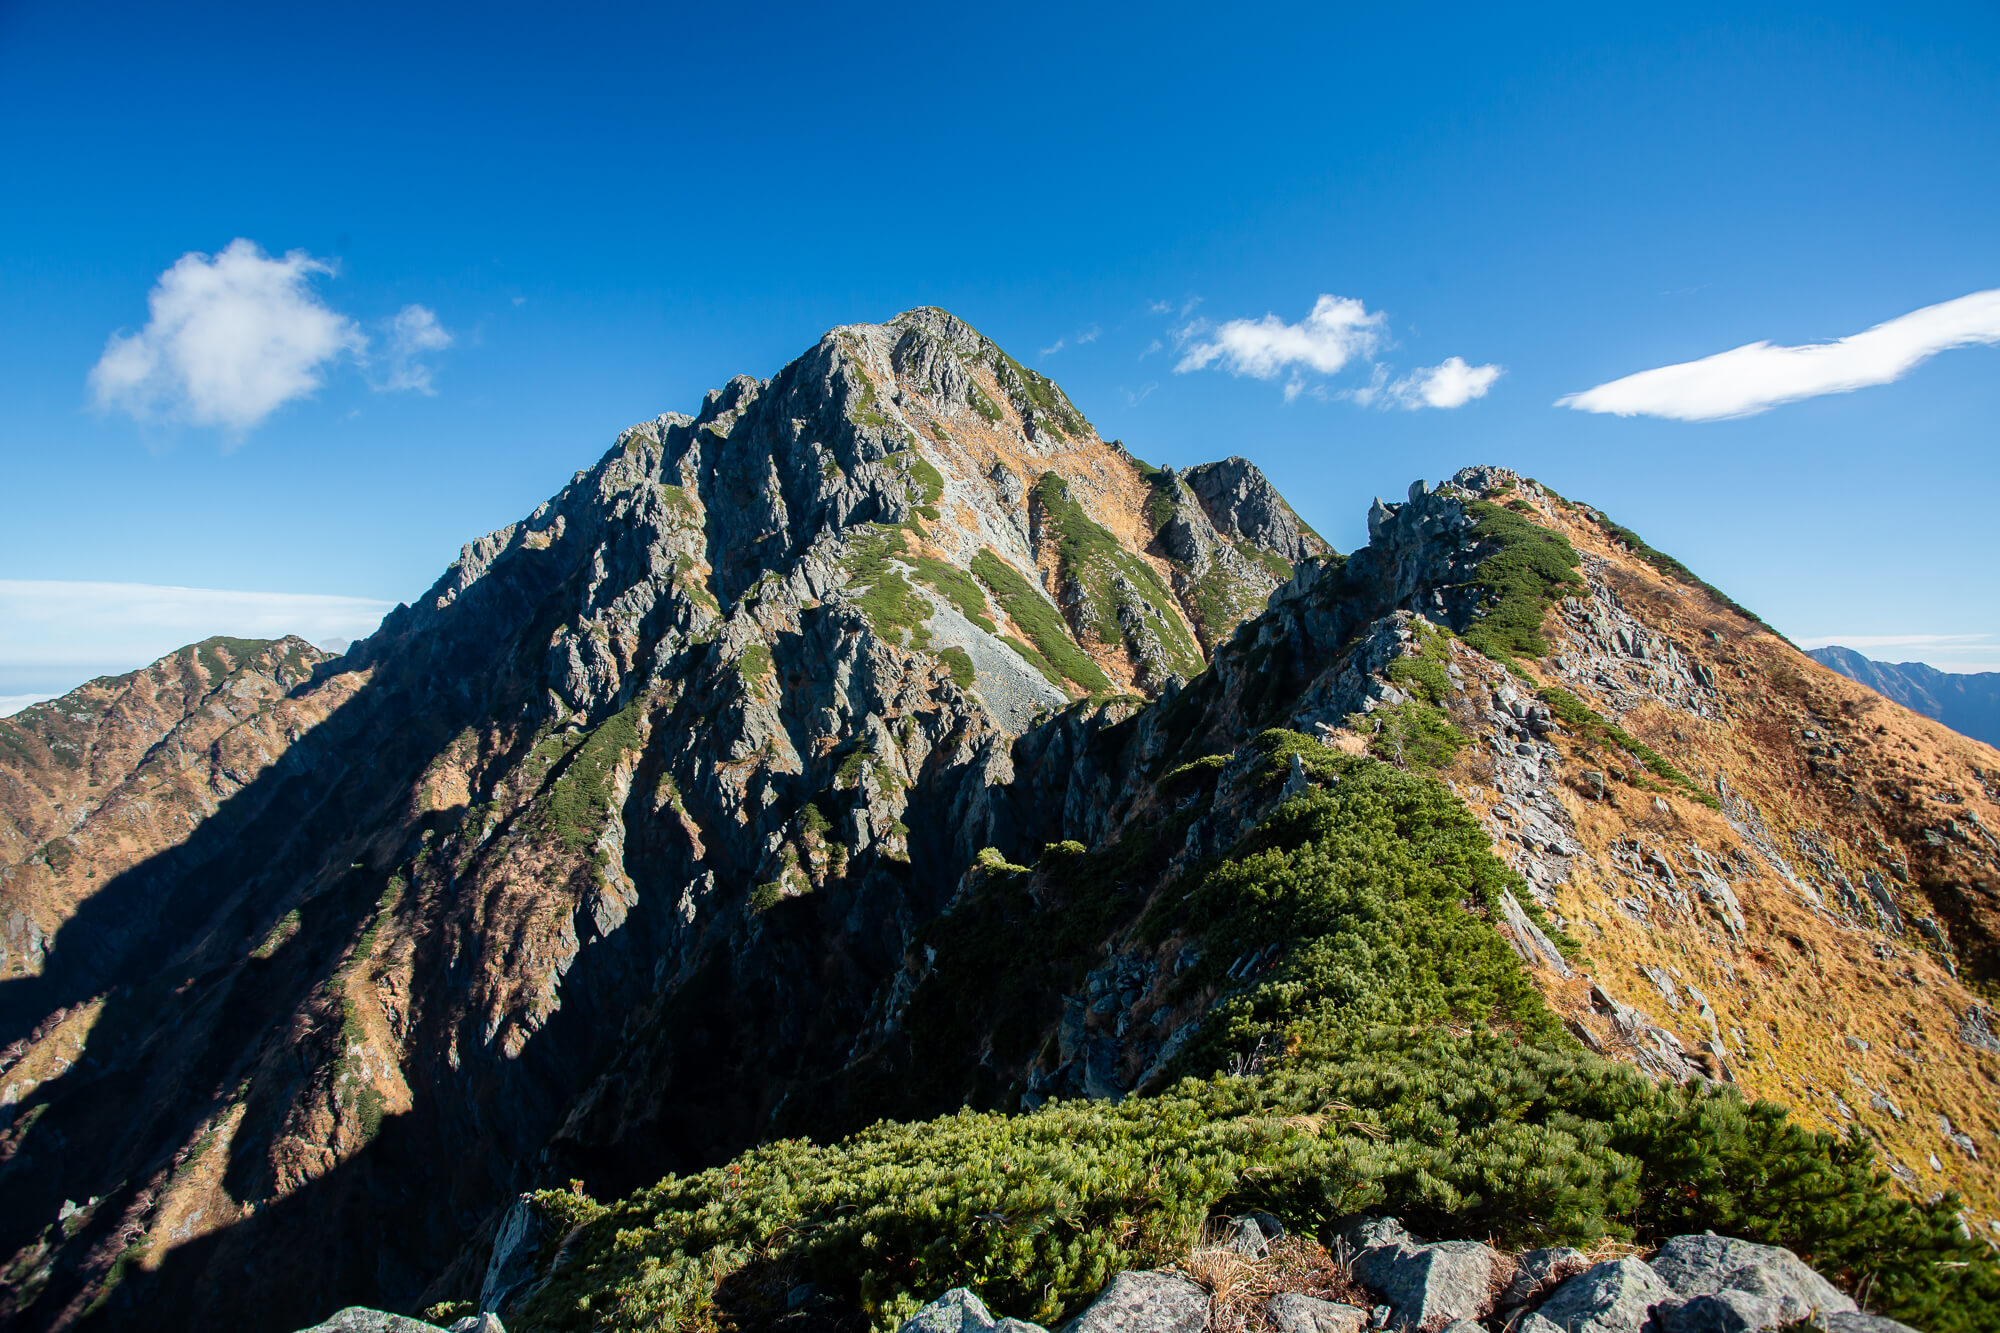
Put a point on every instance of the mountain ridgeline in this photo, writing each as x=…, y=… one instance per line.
x=875, y=835
x=1967, y=702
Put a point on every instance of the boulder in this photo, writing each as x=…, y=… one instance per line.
x=484, y=1322
x=1296, y=1312
x=1614, y=1297
x=361, y=1319
x=1429, y=1285
x=1246, y=1236
x=957, y=1311
x=1539, y=1271
x=1145, y=1302
x=1732, y=1285
x=1368, y=1233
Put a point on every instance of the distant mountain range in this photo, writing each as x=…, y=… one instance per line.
x=1967, y=702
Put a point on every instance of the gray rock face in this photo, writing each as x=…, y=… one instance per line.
x=957, y=1311
x=516, y=1245
x=1764, y=1275
x=1370, y=1233
x=1295, y=1312
x=1145, y=1302
x=1615, y=1297
x=1243, y=504
x=360, y=1319
x=1428, y=1284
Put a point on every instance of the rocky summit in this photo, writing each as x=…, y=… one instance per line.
x=874, y=854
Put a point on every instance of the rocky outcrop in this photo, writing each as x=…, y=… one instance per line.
x=633, y=843
x=594, y=860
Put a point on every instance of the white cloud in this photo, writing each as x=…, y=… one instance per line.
x=54, y=635
x=1052, y=350
x=413, y=332
x=1450, y=383
x=1759, y=376
x=1088, y=334
x=231, y=340
x=11, y=704
x=233, y=337
x=1338, y=330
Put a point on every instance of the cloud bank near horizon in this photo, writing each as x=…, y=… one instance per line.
x=233, y=337
x=1759, y=376
x=56, y=634
x=1336, y=332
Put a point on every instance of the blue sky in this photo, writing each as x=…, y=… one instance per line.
x=602, y=214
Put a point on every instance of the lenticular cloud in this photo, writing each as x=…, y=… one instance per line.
x=1760, y=376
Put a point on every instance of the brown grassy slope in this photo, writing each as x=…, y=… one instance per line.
x=1820, y=1007
x=124, y=767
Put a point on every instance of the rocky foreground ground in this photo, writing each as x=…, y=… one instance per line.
x=1254, y=1276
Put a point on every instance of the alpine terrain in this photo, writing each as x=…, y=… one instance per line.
x=876, y=849
x=1967, y=702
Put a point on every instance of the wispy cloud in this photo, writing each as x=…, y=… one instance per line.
x=414, y=333
x=1089, y=333
x=1134, y=397
x=1339, y=330
x=233, y=337
x=1761, y=375
x=54, y=635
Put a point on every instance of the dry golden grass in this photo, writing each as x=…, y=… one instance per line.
x=1788, y=997
x=1239, y=1285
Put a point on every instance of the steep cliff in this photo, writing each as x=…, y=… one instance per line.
x=587, y=860
x=1498, y=875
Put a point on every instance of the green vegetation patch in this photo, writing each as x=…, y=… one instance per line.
x=928, y=479
x=754, y=665
x=1055, y=653
x=1088, y=553
x=959, y=663
x=1589, y=724
x=1273, y=564
x=894, y=609
x=897, y=611
x=959, y=587
x=577, y=804
x=1531, y=569
x=1036, y=393
x=209, y=654
x=1399, y=1061
x=1411, y=734
x=865, y=410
